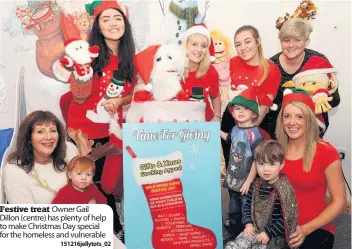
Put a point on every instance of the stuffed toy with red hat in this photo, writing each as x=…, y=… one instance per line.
x=318, y=79
x=160, y=70
x=160, y=73
x=79, y=56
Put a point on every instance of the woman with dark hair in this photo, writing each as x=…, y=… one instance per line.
x=112, y=86
x=36, y=169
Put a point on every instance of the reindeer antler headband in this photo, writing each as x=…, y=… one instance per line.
x=306, y=10
x=85, y=150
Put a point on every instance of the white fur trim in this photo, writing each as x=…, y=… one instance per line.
x=321, y=124
x=139, y=87
x=316, y=96
x=166, y=111
x=287, y=91
x=163, y=175
x=148, y=87
x=70, y=61
x=60, y=73
x=114, y=127
x=197, y=30
x=314, y=72
x=212, y=58
x=94, y=55
x=320, y=78
x=273, y=107
x=86, y=77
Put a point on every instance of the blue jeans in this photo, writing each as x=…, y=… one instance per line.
x=235, y=212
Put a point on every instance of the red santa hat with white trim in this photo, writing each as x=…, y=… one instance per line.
x=300, y=95
x=202, y=29
x=316, y=69
x=144, y=63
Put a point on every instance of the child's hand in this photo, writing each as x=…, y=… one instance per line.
x=92, y=201
x=263, y=238
x=249, y=230
x=245, y=187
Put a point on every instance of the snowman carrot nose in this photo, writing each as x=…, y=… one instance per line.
x=131, y=152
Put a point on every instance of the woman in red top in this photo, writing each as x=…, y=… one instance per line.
x=111, y=88
x=249, y=68
x=312, y=166
x=201, y=79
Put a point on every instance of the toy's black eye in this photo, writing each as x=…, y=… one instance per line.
x=304, y=84
x=76, y=48
x=169, y=57
x=117, y=87
x=111, y=85
x=158, y=58
x=314, y=83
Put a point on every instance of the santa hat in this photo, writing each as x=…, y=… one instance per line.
x=296, y=94
x=265, y=100
x=316, y=69
x=98, y=6
x=71, y=40
x=144, y=63
x=247, y=98
x=202, y=29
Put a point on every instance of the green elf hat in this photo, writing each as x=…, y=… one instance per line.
x=296, y=94
x=248, y=99
x=197, y=93
x=98, y=6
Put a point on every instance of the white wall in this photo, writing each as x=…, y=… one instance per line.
x=331, y=36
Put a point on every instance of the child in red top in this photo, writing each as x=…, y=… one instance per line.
x=80, y=189
x=201, y=79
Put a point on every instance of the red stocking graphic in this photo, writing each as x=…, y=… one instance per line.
x=160, y=180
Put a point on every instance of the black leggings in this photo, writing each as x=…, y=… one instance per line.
x=319, y=239
x=227, y=123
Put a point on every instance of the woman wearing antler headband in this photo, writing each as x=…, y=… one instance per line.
x=36, y=169
x=292, y=61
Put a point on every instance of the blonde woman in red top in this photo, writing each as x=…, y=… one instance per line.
x=201, y=78
x=312, y=167
x=249, y=68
